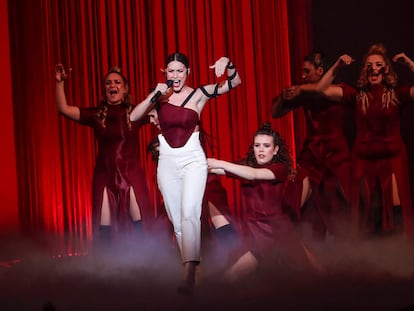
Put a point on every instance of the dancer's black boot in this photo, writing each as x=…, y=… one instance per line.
x=138, y=237
x=227, y=237
x=102, y=240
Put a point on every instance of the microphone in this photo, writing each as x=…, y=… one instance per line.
x=158, y=94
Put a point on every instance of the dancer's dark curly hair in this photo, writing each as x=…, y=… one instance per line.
x=282, y=156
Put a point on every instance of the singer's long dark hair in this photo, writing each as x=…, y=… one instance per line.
x=179, y=57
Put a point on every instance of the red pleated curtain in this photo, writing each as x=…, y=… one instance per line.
x=265, y=39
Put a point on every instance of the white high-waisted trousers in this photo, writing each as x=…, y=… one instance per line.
x=182, y=176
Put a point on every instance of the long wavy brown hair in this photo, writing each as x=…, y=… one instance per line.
x=282, y=156
x=102, y=108
x=389, y=80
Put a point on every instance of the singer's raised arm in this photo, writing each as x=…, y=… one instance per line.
x=212, y=90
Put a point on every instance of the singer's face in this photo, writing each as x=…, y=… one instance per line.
x=375, y=68
x=177, y=72
x=114, y=88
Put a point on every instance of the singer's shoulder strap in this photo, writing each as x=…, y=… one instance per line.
x=188, y=98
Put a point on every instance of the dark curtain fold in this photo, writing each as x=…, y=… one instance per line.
x=55, y=156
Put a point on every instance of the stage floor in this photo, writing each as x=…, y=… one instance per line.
x=38, y=274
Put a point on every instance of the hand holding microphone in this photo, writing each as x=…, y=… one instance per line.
x=159, y=92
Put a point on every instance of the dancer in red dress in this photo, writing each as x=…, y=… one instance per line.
x=320, y=191
x=381, y=197
x=267, y=229
x=120, y=193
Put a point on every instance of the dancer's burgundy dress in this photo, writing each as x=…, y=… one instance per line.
x=267, y=230
x=378, y=153
x=326, y=160
x=117, y=165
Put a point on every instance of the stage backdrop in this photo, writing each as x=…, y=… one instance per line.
x=55, y=157
x=8, y=181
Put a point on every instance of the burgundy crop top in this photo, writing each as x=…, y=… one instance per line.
x=177, y=122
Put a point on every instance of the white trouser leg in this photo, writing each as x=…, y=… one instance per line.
x=182, y=175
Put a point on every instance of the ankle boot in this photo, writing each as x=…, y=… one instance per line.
x=187, y=285
x=138, y=233
x=138, y=228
